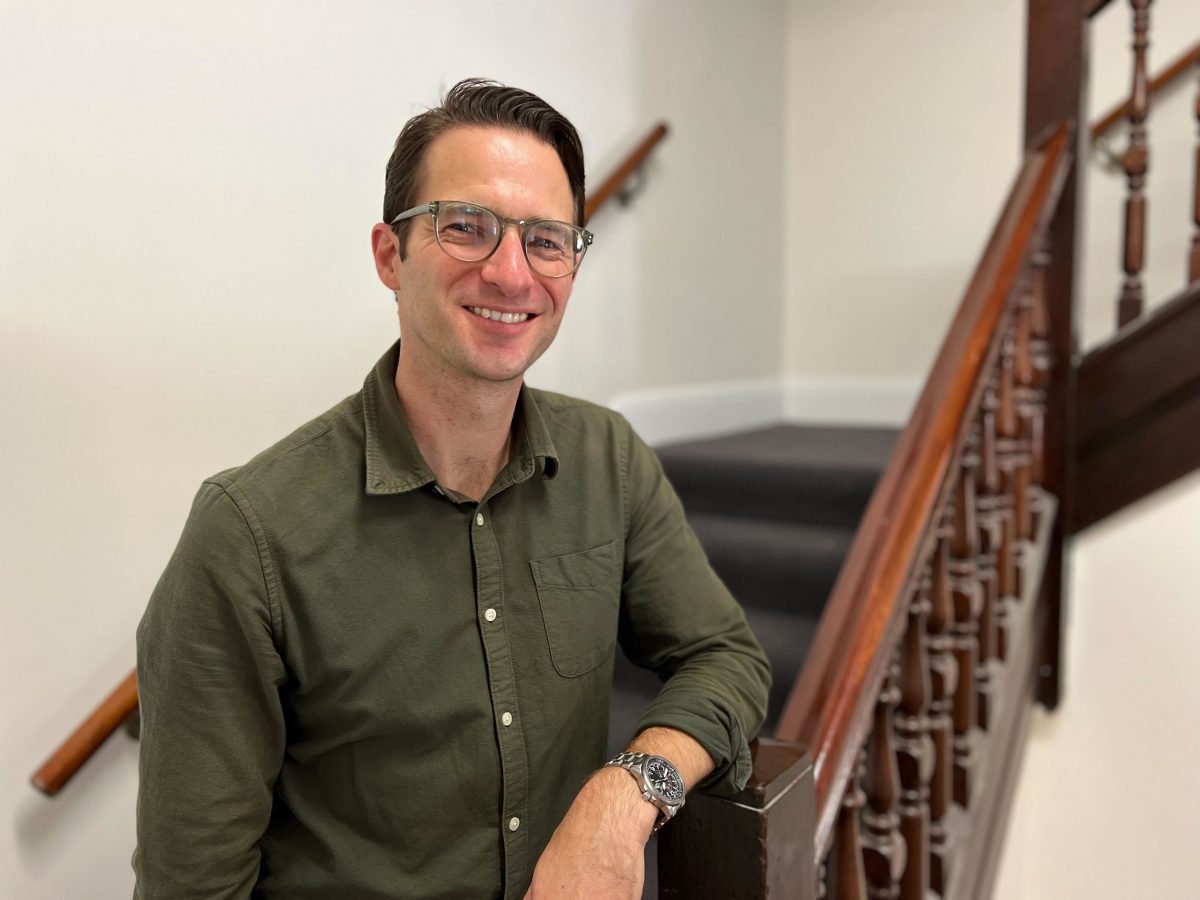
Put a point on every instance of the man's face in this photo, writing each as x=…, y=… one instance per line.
x=515, y=175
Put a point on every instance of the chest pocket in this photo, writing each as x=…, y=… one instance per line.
x=580, y=594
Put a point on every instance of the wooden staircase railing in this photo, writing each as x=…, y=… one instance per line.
x=945, y=624
x=1172, y=72
x=927, y=638
x=617, y=183
x=88, y=737
x=122, y=703
x=1139, y=416
x=1135, y=162
x=917, y=690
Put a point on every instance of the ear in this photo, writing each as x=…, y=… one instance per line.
x=385, y=247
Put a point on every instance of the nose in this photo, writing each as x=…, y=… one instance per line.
x=507, y=267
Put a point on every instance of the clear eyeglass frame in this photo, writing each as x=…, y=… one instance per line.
x=581, y=238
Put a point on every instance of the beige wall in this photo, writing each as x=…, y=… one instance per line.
x=185, y=277
x=903, y=137
x=903, y=141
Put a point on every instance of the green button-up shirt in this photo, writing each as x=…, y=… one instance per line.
x=356, y=683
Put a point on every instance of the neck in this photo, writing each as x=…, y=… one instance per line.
x=463, y=427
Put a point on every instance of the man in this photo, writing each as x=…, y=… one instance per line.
x=380, y=659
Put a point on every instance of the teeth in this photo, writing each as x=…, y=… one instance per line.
x=495, y=316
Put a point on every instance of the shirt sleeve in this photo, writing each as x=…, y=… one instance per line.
x=212, y=726
x=679, y=619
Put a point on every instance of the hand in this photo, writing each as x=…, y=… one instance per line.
x=597, y=851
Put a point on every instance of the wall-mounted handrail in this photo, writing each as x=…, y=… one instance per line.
x=612, y=185
x=832, y=702
x=118, y=706
x=87, y=738
x=1176, y=70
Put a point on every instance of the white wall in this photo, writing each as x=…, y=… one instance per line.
x=185, y=276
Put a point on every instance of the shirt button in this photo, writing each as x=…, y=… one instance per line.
x=490, y=615
x=479, y=519
x=506, y=718
x=514, y=823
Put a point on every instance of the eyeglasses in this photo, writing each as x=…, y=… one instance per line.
x=471, y=233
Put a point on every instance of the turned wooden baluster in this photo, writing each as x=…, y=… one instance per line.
x=968, y=603
x=914, y=747
x=1040, y=358
x=990, y=506
x=1009, y=461
x=943, y=671
x=1194, y=261
x=883, y=846
x=845, y=877
x=1024, y=403
x=1136, y=163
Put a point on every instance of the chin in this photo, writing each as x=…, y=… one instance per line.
x=501, y=367
x=495, y=371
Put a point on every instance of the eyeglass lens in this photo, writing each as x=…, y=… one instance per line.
x=470, y=233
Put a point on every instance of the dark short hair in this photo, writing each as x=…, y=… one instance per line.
x=477, y=102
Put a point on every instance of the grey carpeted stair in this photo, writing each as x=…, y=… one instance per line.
x=804, y=474
x=775, y=510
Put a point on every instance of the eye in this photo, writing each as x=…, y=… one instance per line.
x=466, y=225
x=548, y=240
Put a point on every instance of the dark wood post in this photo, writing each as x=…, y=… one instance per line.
x=1056, y=90
x=1136, y=162
x=758, y=843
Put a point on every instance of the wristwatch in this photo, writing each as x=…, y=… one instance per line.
x=658, y=781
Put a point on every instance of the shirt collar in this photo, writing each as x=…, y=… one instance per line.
x=394, y=463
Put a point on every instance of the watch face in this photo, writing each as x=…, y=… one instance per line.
x=664, y=779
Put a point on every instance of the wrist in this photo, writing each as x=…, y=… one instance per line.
x=613, y=797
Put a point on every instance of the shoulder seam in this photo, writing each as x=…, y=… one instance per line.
x=271, y=581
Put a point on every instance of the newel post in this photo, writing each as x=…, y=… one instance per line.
x=1055, y=90
x=759, y=843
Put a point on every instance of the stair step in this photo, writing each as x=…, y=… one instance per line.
x=798, y=473
x=784, y=566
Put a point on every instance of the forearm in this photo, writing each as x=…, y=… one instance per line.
x=612, y=799
x=602, y=838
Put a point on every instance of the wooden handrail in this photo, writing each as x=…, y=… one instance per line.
x=613, y=184
x=118, y=706
x=88, y=737
x=831, y=705
x=1179, y=67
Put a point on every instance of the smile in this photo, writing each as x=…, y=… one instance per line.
x=510, y=318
